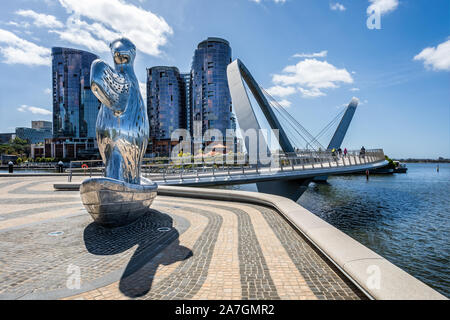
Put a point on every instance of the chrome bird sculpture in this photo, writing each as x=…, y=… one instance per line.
x=122, y=122
x=122, y=137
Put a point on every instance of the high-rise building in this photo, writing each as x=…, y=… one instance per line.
x=211, y=100
x=42, y=125
x=75, y=107
x=187, y=78
x=33, y=135
x=39, y=131
x=166, y=107
x=6, y=137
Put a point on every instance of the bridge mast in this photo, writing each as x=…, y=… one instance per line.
x=340, y=133
x=237, y=73
x=342, y=128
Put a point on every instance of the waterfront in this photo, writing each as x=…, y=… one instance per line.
x=403, y=217
x=30, y=170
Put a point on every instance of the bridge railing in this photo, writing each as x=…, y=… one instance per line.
x=186, y=168
x=228, y=165
x=86, y=167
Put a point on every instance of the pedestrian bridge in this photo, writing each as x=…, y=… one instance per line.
x=295, y=171
x=300, y=166
x=289, y=170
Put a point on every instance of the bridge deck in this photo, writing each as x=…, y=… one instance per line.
x=213, y=250
x=244, y=175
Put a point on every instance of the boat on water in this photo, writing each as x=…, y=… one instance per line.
x=392, y=167
x=400, y=167
x=383, y=170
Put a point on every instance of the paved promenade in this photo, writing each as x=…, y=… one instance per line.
x=182, y=249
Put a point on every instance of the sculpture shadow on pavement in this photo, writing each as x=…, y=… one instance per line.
x=151, y=233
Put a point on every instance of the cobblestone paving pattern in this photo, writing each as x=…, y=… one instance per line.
x=212, y=250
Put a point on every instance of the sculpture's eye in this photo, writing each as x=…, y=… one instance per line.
x=121, y=58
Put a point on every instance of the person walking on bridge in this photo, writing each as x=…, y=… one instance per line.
x=333, y=153
x=345, y=152
x=362, y=153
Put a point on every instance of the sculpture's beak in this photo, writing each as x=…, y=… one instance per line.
x=121, y=58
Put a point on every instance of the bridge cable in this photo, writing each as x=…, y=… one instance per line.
x=293, y=122
x=299, y=126
x=292, y=126
x=313, y=140
x=294, y=136
x=329, y=125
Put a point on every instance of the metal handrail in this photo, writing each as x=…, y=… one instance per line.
x=191, y=167
x=296, y=163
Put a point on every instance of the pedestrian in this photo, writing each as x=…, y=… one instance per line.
x=345, y=152
x=340, y=152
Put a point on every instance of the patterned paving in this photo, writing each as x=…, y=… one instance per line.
x=181, y=249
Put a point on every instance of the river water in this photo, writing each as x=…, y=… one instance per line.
x=402, y=217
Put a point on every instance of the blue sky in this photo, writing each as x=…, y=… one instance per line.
x=314, y=55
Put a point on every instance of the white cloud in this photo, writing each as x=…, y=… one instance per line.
x=313, y=93
x=280, y=91
x=112, y=18
x=337, y=6
x=311, y=76
x=80, y=33
x=361, y=102
x=48, y=91
x=16, y=24
x=354, y=89
x=383, y=6
x=16, y=50
x=41, y=20
x=143, y=88
x=320, y=54
x=285, y=103
x=436, y=58
x=34, y=110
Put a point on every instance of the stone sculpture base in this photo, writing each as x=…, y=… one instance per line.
x=113, y=203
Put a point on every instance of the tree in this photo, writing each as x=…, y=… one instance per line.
x=17, y=146
x=19, y=141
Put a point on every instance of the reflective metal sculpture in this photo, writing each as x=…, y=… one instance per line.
x=122, y=137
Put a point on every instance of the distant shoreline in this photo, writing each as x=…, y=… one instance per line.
x=423, y=160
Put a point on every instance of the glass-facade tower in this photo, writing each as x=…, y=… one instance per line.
x=187, y=78
x=166, y=106
x=210, y=95
x=75, y=107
